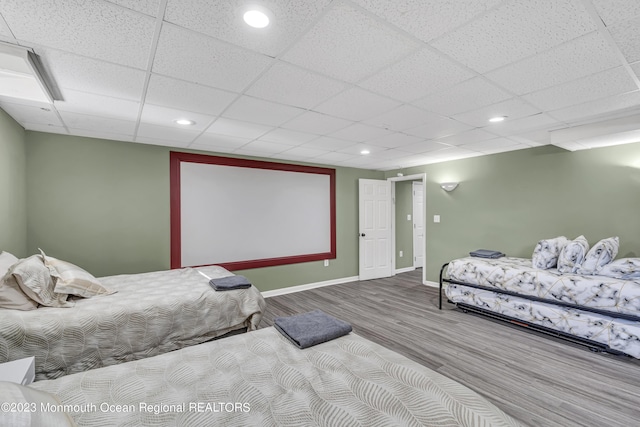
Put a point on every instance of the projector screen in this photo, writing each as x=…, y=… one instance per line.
x=245, y=213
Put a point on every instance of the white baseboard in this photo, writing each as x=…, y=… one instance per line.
x=432, y=284
x=404, y=270
x=308, y=286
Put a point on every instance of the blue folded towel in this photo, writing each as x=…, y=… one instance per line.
x=486, y=253
x=230, y=283
x=308, y=329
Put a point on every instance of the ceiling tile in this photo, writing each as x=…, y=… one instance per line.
x=417, y=75
x=148, y=7
x=626, y=34
x=237, y=128
x=34, y=114
x=428, y=19
x=447, y=154
x=164, y=116
x=319, y=124
x=359, y=132
x=607, y=83
x=468, y=137
x=291, y=85
x=614, y=11
x=71, y=71
x=98, y=105
x=404, y=117
x=491, y=144
x=349, y=45
x=327, y=143
x=534, y=122
x=394, y=140
x=210, y=141
x=37, y=127
x=259, y=111
x=287, y=136
x=102, y=31
x=469, y=95
x=515, y=30
x=174, y=143
x=305, y=152
x=424, y=147
x=438, y=129
x=390, y=154
x=223, y=20
x=333, y=156
x=148, y=131
x=593, y=109
x=263, y=147
x=179, y=94
x=578, y=58
x=356, y=104
x=97, y=123
x=513, y=108
x=109, y=136
x=191, y=56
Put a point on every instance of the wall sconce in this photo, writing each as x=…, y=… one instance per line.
x=449, y=186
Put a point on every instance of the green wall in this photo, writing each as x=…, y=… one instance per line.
x=511, y=200
x=13, y=187
x=104, y=205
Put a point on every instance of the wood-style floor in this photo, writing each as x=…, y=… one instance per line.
x=540, y=380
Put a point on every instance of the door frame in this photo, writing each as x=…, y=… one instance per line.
x=414, y=184
x=414, y=177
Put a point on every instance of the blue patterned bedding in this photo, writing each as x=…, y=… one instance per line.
x=517, y=275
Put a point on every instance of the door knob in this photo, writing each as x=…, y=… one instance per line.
x=362, y=234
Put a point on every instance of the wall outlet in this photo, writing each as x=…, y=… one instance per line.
x=408, y=217
x=401, y=254
x=326, y=263
x=436, y=218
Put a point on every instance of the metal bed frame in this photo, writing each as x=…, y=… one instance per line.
x=592, y=345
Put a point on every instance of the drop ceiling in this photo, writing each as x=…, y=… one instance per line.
x=412, y=82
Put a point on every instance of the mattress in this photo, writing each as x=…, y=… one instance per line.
x=517, y=275
x=150, y=314
x=260, y=378
x=619, y=334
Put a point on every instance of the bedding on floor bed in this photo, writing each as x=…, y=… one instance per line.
x=260, y=378
x=517, y=275
x=150, y=314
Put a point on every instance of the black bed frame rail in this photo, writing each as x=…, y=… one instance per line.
x=530, y=297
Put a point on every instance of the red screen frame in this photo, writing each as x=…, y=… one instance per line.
x=176, y=158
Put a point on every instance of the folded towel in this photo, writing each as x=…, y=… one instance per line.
x=230, y=283
x=308, y=329
x=486, y=253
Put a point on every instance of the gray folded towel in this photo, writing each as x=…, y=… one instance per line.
x=230, y=283
x=486, y=253
x=308, y=329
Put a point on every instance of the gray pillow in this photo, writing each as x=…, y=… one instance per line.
x=37, y=281
x=545, y=255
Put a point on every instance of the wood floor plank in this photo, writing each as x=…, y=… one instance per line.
x=538, y=379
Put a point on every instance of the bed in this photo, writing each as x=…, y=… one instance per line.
x=149, y=314
x=598, y=311
x=260, y=378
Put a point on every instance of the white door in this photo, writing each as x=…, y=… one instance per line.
x=418, y=225
x=375, y=228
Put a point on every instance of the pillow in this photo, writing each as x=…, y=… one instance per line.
x=623, y=268
x=36, y=280
x=12, y=297
x=601, y=254
x=572, y=255
x=73, y=279
x=545, y=255
x=6, y=261
x=34, y=400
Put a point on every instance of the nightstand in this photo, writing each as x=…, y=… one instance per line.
x=21, y=371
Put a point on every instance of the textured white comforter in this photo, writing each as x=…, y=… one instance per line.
x=261, y=379
x=150, y=314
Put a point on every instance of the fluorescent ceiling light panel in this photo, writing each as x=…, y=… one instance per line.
x=22, y=76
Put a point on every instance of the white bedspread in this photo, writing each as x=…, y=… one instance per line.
x=261, y=379
x=150, y=314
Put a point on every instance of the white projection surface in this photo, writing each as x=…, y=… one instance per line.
x=232, y=214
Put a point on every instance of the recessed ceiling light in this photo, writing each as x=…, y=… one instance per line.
x=256, y=18
x=497, y=119
x=365, y=152
x=185, y=122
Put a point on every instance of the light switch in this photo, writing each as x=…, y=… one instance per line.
x=408, y=217
x=436, y=218
x=401, y=254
